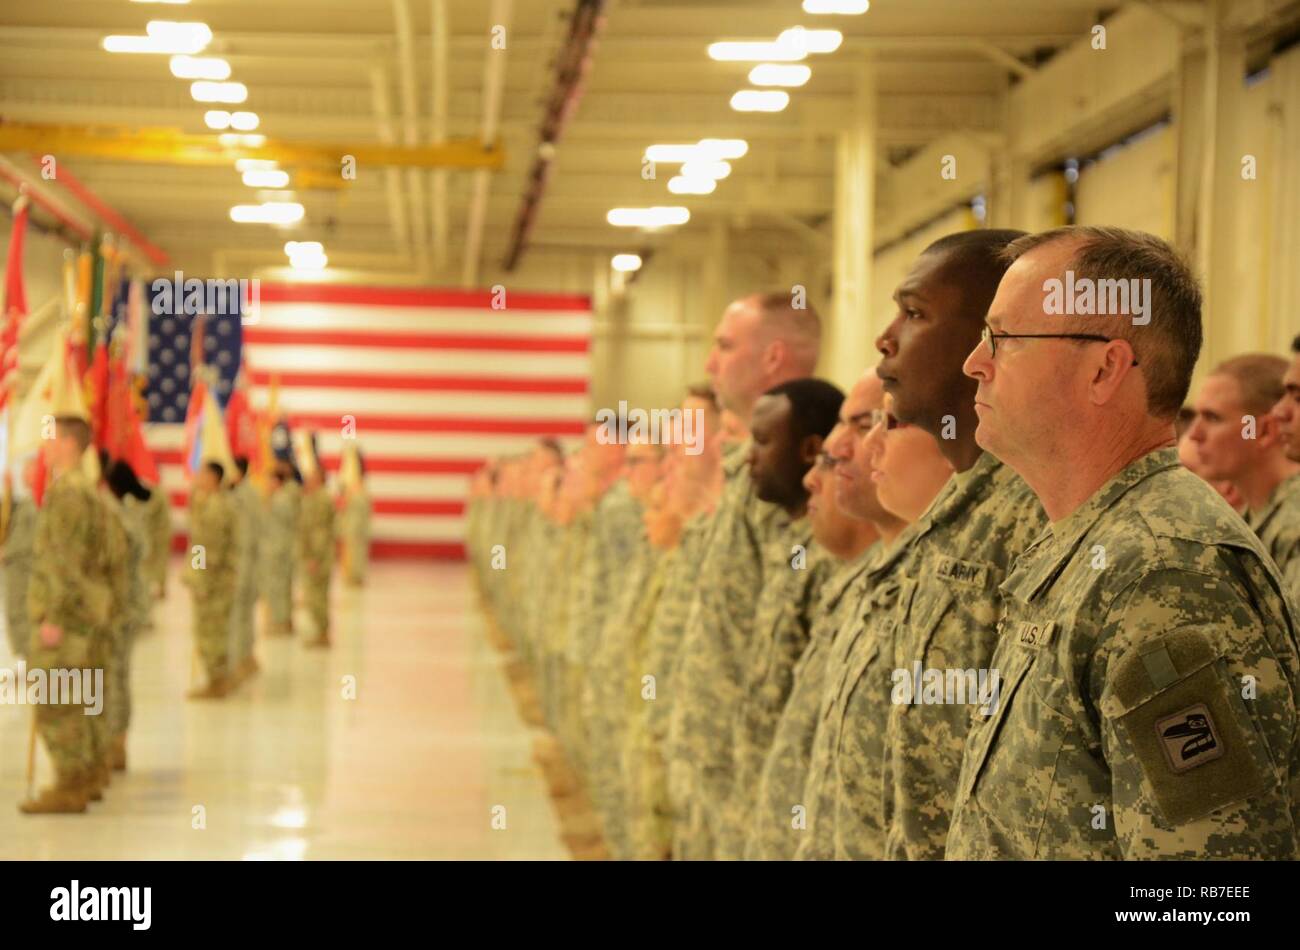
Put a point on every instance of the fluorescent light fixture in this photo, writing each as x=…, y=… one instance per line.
x=742, y=51
x=269, y=212
x=703, y=150
x=253, y=164
x=193, y=36
x=760, y=100
x=656, y=217
x=244, y=121
x=303, y=247
x=681, y=185
x=205, y=91
x=842, y=7
x=266, y=178
x=235, y=140
x=217, y=119
x=803, y=40
x=200, y=67
x=309, y=262
x=724, y=148
x=671, y=154
x=626, y=263
x=700, y=168
x=149, y=44
x=779, y=74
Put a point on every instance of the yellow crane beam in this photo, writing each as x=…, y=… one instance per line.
x=170, y=147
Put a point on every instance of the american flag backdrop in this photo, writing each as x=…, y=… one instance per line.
x=437, y=382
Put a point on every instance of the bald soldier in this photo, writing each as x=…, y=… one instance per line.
x=946, y=617
x=1238, y=440
x=1148, y=657
x=762, y=341
x=789, y=426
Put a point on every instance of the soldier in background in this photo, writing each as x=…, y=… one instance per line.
x=354, y=526
x=211, y=576
x=248, y=508
x=69, y=602
x=316, y=552
x=158, y=524
x=279, y=548
x=18, y=558
x=125, y=500
x=1148, y=653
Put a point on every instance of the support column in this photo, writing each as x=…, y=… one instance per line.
x=847, y=347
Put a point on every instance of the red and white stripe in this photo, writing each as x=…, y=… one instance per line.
x=437, y=382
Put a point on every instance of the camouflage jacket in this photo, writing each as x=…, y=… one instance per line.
x=214, y=527
x=316, y=529
x=1278, y=527
x=69, y=585
x=283, y=509
x=1149, y=672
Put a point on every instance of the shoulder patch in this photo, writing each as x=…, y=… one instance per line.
x=1189, y=738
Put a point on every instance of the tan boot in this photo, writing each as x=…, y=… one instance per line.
x=217, y=688
x=118, y=753
x=65, y=798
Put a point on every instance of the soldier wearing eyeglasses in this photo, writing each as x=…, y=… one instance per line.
x=1147, y=655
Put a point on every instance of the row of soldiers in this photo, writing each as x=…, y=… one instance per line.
x=973, y=608
x=83, y=571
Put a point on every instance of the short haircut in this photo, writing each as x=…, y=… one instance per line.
x=974, y=261
x=814, y=405
x=549, y=443
x=241, y=463
x=75, y=428
x=1260, y=377
x=1168, y=346
x=798, y=327
x=216, y=468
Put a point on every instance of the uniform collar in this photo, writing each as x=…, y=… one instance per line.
x=960, y=491
x=1286, y=493
x=1048, y=554
x=734, y=457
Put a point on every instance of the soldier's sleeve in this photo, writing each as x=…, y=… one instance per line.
x=1197, y=720
x=61, y=592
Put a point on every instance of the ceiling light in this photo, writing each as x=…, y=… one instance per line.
x=193, y=36
x=843, y=7
x=728, y=51
x=760, y=100
x=723, y=148
x=150, y=44
x=217, y=119
x=266, y=178
x=703, y=150
x=656, y=217
x=253, y=164
x=671, y=154
x=681, y=185
x=244, y=121
x=204, y=91
x=235, y=140
x=698, y=168
x=811, y=41
x=302, y=247
x=626, y=263
x=200, y=67
x=270, y=212
x=779, y=74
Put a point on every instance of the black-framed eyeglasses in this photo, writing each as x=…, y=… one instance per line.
x=990, y=338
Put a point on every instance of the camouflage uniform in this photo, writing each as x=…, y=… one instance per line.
x=129, y=616
x=1278, y=527
x=279, y=550
x=673, y=585
x=768, y=829
x=947, y=619
x=158, y=525
x=316, y=544
x=1149, y=665
x=783, y=620
x=748, y=544
x=214, y=526
x=70, y=589
x=354, y=531
x=249, y=510
x=18, y=573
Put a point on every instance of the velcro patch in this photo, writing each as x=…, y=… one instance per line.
x=1189, y=738
x=969, y=573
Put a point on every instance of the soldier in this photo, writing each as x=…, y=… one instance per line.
x=248, y=507
x=354, y=529
x=761, y=342
x=69, y=601
x=316, y=552
x=790, y=423
x=158, y=522
x=846, y=518
x=125, y=500
x=1287, y=408
x=279, y=548
x=983, y=518
x=1148, y=655
x=1190, y=459
x=18, y=559
x=1238, y=440
x=214, y=552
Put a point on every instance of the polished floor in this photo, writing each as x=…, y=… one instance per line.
x=422, y=764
